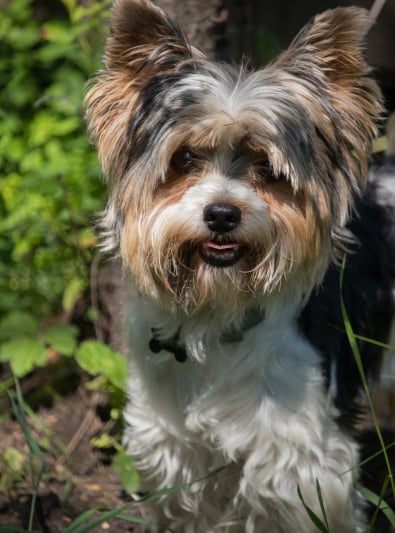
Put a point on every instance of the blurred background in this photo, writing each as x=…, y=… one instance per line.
x=61, y=365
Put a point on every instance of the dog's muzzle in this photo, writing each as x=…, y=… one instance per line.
x=221, y=219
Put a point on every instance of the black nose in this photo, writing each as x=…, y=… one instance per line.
x=221, y=218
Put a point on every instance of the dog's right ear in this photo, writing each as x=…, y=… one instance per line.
x=143, y=43
x=142, y=35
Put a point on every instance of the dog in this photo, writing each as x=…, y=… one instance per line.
x=234, y=194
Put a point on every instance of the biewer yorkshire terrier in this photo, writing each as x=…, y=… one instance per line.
x=231, y=192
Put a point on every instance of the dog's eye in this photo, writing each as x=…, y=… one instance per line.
x=183, y=161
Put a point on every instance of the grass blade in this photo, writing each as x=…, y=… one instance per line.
x=379, y=502
x=313, y=517
x=321, y=502
x=19, y=410
x=357, y=357
x=78, y=527
x=78, y=521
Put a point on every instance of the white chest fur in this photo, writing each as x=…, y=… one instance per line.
x=257, y=405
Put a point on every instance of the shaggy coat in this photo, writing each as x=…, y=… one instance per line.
x=230, y=191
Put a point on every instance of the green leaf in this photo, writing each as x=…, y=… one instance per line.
x=57, y=32
x=18, y=323
x=70, y=5
x=315, y=519
x=24, y=40
x=14, y=460
x=378, y=502
x=321, y=502
x=62, y=337
x=23, y=354
x=45, y=126
x=71, y=294
x=103, y=441
x=123, y=465
x=97, y=358
x=49, y=186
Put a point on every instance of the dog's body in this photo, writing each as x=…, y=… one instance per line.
x=230, y=192
x=260, y=407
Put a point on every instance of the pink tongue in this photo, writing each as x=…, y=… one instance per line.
x=216, y=246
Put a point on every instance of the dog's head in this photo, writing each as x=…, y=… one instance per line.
x=229, y=184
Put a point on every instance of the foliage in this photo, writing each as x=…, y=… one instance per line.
x=95, y=357
x=27, y=348
x=49, y=192
x=49, y=184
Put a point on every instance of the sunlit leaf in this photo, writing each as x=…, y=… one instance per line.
x=71, y=294
x=14, y=459
x=23, y=354
x=62, y=337
x=95, y=357
x=123, y=465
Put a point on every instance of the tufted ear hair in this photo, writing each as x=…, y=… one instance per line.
x=143, y=43
x=143, y=34
x=328, y=53
x=333, y=41
x=325, y=69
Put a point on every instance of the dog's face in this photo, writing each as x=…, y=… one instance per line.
x=227, y=185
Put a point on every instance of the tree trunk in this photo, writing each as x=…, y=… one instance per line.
x=223, y=29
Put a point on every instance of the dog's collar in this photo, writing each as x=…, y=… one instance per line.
x=173, y=345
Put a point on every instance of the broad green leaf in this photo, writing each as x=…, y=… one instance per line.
x=24, y=40
x=62, y=337
x=123, y=465
x=49, y=186
x=103, y=441
x=57, y=32
x=17, y=324
x=45, y=126
x=97, y=358
x=23, y=354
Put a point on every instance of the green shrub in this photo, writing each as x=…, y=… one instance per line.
x=49, y=192
x=49, y=186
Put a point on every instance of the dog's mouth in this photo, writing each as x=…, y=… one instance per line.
x=221, y=254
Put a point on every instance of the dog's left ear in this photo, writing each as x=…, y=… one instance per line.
x=144, y=37
x=144, y=42
x=327, y=57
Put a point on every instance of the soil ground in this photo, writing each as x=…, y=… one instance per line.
x=77, y=476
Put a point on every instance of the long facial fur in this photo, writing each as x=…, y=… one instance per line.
x=310, y=117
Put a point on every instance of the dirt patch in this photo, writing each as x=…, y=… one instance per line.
x=76, y=477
